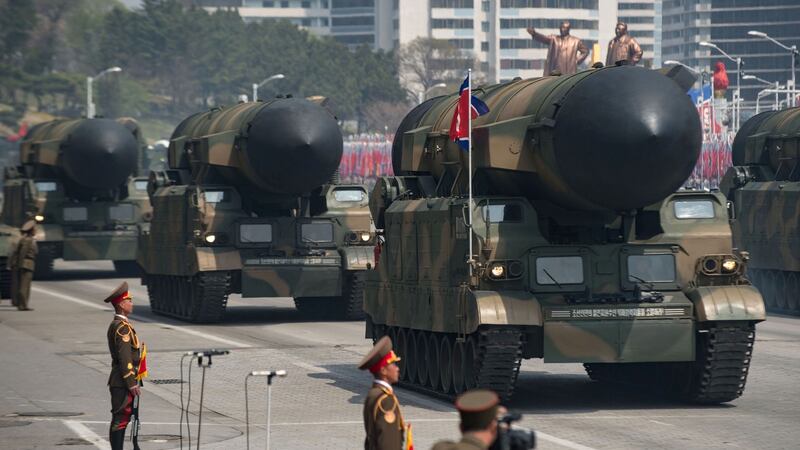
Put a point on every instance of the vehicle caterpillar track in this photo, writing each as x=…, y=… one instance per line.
x=5, y=279
x=442, y=365
x=348, y=306
x=763, y=186
x=718, y=375
x=78, y=179
x=574, y=244
x=252, y=191
x=201, y=298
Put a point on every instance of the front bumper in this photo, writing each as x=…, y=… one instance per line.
x=292, y=277
x=619, y=333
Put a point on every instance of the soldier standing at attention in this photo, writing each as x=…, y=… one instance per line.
x=478, y=410
x=623, y=47
x=126, y=355
x=564, y=53
x=22, y=264
x=383, y=420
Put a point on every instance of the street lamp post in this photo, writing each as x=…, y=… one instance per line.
x=775, y=86
x=423, y=95
x=703, y=77
x=792, y=49
x=738, y=93
x=672, y=62
x=89, y=81
x=277, y=76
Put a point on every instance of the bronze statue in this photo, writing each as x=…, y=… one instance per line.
x=565, y=52
x=623, y=47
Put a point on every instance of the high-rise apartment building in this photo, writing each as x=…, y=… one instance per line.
x=492, y=30
x=726, y=23
x=640, y=16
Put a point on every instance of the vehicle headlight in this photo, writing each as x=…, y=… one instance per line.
x=497, y=270
x=38, y=218
x=215, y=238
x=365, y=237
x=729, y=265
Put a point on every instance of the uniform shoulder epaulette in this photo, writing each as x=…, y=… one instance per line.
x=379, y=404
x=124, y=331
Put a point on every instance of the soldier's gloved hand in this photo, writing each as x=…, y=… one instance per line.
x=135, y=390
x=531, y=31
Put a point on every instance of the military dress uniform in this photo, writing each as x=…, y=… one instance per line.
x=383, y=420
x=126, y=357
x=477, y=408
x=22, y=264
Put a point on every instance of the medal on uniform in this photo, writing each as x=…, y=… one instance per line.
x=125, y=338
x=389, y=417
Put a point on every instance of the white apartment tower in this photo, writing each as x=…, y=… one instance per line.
x=492, y=30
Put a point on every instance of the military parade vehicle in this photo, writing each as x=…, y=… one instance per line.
x=251, y=205
x=583, y=250
x=8, y=237
x=764, y=187
x=76, y=179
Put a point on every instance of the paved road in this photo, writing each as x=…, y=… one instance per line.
x=54, y=365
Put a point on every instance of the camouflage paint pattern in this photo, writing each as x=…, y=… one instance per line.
x=764, y=187
x=284, y=267
x=73, y=229
x=204, y=157
x=422, y=281
x=8, y=238
x=422, y=267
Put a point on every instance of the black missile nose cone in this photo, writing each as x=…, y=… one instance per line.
x=626, y=137
x=100, y=154
x=294, y=146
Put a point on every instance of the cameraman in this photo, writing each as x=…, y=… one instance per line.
x=478, y=409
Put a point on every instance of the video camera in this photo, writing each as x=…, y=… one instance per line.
x=510, y=437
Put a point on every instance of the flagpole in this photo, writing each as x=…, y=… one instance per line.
x=470, y=261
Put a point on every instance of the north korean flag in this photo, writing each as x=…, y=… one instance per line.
x=459, y=126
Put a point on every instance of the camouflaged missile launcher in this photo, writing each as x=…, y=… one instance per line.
x=8, y=238
x=76, y=178
x=251, y=206
x=764, y=187
x=583, y=251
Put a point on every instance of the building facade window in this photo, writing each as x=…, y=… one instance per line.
x=452, y=23
x=566, y=4
x=624, y=6
x=452, y=4
x=521, y=64
x=547, y=23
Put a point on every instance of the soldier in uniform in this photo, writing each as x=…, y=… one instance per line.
x=383, y=420
x=22, y=264
x=478, y=410
x=126, y=354
x=564, y=53
x=623, y=47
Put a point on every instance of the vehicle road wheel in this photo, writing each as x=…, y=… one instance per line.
x=780, y=290
x=433, y=361
x=793, y=292
x=402, y=352
x=470, y=364
x=459, y=355
x=422, y=354
x=446, y=364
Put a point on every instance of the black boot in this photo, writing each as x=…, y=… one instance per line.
x=117, y=439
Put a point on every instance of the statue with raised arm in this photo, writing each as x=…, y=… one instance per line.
x=623, y=47
x=565, y=52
